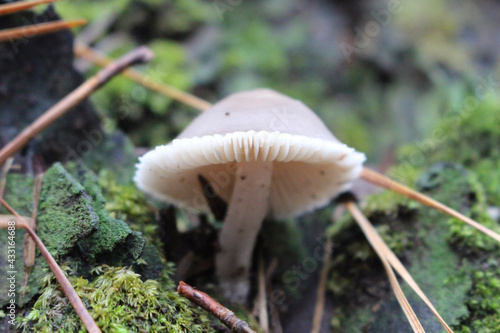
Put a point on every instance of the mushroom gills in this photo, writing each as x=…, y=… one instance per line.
x=248, y=206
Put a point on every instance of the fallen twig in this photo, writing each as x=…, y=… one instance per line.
x=22, y=5
x=29, y=244
x=320, y=296
x=261, y=301
x=169, y=91
x=5, y=219
x=226, y=316
x=140, y=55
x=3, y=176
x=66, y=286
x=30, y=31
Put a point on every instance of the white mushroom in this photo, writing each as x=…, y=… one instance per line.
x=265, y=154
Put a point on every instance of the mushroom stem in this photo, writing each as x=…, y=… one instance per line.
x=247, y=208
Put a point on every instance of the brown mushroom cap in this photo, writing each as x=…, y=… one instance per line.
x=310, y=165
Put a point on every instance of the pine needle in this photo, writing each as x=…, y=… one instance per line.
x=66, y=286
x=95, y=57
x=30, y=31
x=381, y=180
x=9, y=8
x=320, y=295
x=139, y=55
x=369, y=232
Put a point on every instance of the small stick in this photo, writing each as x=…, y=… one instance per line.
x=5, y=219
x=140, y=55
x=3, y=177
x=38, y=29
x=22, y=5
x=226, y=316
x=29, y=244
x=92, y=55
x=261, y=298
x=381, y=180
x=66, y=286
x=320, y=297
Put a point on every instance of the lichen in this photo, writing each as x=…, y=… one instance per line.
x=454, y=264
x=113, y=239
x=66, y=213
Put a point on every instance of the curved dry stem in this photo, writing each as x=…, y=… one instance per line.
x=320, y=295
x=30, y=31
x=381, y=180
x=368, y=231
x=5, y=219
x=226, y=316
x=401, y=270
x=97, y=58
x=136, y=56
x=398, y=267
x=66, y=286
x=22, y=5
x=261, y=301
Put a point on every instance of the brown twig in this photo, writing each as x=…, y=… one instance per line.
x=226, y=316
x=381, y=180
x=320, y=296
x=94, y=56
x=261, y=302
x=3, y=177
x=140, y=55
x=5, y=219
x=29, y=245
x=22, y=5
x=30, y=31
x=66, y=286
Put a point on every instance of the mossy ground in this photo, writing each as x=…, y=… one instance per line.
x=119, y=301
x=119, y=298
x=455, y=265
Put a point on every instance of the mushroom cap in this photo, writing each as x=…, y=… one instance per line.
x=310, y=166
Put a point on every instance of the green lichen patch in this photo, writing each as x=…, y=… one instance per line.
x=466, y=194
x=447, y=259
x=113, y=242
x=119, y=301
x=66, y=212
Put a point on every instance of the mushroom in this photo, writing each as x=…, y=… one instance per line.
x=264, y=154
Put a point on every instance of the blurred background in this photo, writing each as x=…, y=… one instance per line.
x=395, y=79
x=379, y=73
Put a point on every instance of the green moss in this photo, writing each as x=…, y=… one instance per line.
x=126, y=202
x=66, y=212
x=113, y=241
x=119, y=301
x=443, y=255
x=483, y=302
x=469, y=136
